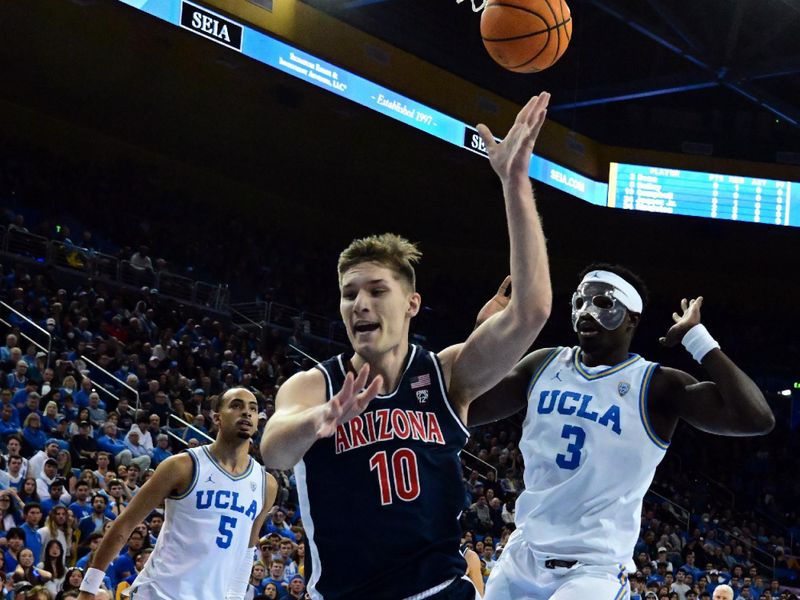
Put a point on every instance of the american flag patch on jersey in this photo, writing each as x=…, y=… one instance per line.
x=421, y=381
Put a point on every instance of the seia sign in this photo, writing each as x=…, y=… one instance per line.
x=211, y=25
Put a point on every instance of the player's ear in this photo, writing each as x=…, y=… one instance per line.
x=414, y=304
x=634, y=319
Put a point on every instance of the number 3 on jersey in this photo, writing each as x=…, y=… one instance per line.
x=572, y=459
x=405, y=475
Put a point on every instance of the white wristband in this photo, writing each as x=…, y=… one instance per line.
x=92, y=580
x=698, y=342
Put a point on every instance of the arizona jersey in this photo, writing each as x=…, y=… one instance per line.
x=206, y=533
x=381, y=497
x=590, y=455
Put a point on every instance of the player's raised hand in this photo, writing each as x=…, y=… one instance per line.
x=684, y=322
x=511, y=158
x=497, y=303
x=349, y=402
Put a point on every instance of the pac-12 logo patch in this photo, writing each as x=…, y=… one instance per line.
x=623, y=388
x=252, y=486
x=422, y=396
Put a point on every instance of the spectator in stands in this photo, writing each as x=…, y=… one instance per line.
x=84, y=447
x=55, y=498
x=31, y=404
x=19, y=377
x=9, y=512
x=140, y=259
x=125, y=564
x=116, y=448
x=131, y=483
x=36, y=462
x=276, y=577
x=5, y=351
x=160, y=406
x=132, y=441
x=28, y=492
x=161, y=452
x=679, y=586
x=725, y=592
x=94, y=521
x=51, y=418
x=32, y=433
x=69, y=387
x=46, y=478
x=32, y=514
x=9, y=423
x=57, y=528
x=53, y=562
x=26, y=569
x=81, y=506
x=297, y=587
x=277, y=524
x=116, y=503
x=97, y=414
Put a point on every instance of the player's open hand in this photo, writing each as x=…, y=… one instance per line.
x=684, y=322
x=351, y=400
x=497, y=303
x=511, y=158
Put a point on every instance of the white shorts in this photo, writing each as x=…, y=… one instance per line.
x=520, y=575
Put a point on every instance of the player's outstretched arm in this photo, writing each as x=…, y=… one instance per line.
x=729, y=404
x=174, y=475
x=302, y=416
x=496, y=345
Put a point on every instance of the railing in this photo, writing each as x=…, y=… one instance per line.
x=761, y=557
x=75, y=259
x=481, y=462
x=188, y=426
x=681, y=513
x=112, y=377
x=14, y=319
x=730, y=496
x=291, y=319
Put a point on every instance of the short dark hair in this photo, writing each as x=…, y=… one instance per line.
x=624, y=272
x=15, y=533
x=97, y=495
x=216, y=400
x=29, y=507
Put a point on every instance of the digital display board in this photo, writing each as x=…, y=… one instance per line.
x=279, y=55
x=709, y=195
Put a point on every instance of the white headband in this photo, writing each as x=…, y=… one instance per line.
x=626, y=293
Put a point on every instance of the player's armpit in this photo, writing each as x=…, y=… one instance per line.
x=510, y=395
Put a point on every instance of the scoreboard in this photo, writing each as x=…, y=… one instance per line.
x=709, y=195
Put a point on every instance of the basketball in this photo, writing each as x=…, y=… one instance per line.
x=526, y=36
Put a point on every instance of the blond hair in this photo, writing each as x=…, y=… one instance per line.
x=388, y=249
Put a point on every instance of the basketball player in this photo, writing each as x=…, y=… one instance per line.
x=599, y=421
x=217, y=497
x=391, y=473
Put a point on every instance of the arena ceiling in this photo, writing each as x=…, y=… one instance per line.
x=640, y=73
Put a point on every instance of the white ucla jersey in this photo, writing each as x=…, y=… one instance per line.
x=206, y=533
x=590, y=455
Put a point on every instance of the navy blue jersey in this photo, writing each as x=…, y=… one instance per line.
x=381, y=498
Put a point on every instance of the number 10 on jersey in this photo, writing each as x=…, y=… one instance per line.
x=398, y=477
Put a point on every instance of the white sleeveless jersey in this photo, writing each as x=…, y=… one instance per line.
x=590, y=455
x=205, y=535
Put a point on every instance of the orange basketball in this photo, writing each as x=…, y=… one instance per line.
x=526, y=36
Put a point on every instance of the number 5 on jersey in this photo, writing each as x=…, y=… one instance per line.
x=403, y=474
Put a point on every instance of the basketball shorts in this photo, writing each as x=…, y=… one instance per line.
x=521, y=575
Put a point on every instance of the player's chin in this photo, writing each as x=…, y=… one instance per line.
x=243, y=435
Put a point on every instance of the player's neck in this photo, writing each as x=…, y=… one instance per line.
x=389, y=365
x=231, y=454
x=608, y=357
